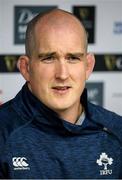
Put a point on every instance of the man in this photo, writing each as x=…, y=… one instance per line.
x=50, y=130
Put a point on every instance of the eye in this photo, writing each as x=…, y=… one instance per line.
x=73, y=59
x=48, y=59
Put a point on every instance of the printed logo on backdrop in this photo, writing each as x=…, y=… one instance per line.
x=86, y=14
x=23, y=14
x=108, y=62
x=117, y=27
x=8, y=63
x=95, y=92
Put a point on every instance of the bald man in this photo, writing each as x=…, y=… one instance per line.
x=50, y=130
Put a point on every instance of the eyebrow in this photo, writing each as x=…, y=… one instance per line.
x=41, y=55
x=77, y=54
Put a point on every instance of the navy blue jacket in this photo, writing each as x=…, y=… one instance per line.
x=36, y=144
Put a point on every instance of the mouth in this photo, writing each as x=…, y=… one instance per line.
x=61, y=89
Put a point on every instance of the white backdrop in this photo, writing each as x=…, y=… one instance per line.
x=108, y=40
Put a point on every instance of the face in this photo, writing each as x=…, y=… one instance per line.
x=58, y=68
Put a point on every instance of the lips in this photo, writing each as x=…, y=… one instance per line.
x=61, y=89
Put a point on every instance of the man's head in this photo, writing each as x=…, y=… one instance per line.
x=56, y=64
x=50, y=19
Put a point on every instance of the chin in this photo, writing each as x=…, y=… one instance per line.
x=60, y=107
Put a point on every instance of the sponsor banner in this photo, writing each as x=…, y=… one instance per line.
x=108, y=62
x=1, y=93
x=112, y=89
x=95, y=92
x=23, y=14
x=10, y=84
x=86, y=14
x=8, y=63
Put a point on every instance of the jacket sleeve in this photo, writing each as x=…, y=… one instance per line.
x=2, y=144
x=120, y=176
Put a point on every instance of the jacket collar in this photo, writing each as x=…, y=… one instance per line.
x=30, y=108
x=110, y=121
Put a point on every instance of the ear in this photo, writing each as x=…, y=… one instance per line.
x=23, y=66
x=90, y=62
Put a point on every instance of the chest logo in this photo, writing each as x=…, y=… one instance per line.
x=105, y=162
x=20, y=163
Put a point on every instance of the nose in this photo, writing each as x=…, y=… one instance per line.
x=62, y=71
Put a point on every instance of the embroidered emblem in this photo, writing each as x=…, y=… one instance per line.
x=20, y=163
x=104, y=161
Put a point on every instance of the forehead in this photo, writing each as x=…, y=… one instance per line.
x=61, y=37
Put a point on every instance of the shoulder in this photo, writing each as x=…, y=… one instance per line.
x=111, y=120
x=7, y=114
x=98, y=111
x=9, y=121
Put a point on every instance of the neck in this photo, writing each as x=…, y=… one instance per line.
x=71, y=115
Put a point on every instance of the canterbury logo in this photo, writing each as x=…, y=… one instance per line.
x=20, y=163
